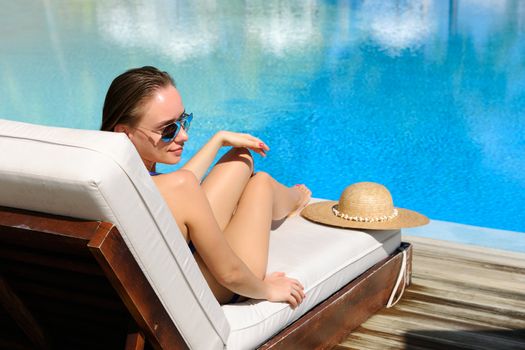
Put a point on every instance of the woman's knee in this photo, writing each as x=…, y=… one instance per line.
x=242, y=154
x=262, y=179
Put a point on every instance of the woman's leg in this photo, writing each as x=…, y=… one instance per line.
x=249, y=229
x=225, y=184
x=247, y=232
x=191, y=215
x=288, y=201
x=226, y=181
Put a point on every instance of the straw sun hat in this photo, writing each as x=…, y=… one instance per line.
x=366, y=205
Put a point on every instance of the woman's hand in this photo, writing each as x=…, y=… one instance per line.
x=235, y=139
x=282, y=288
x=201, y=161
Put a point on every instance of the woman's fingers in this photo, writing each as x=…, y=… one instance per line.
x=245, y=140
x=297, y=298
x=300, y=290
x=292, y=301
x=297, y=295
x=263, y=146
x=258, y=148
x=255, y=142
x=258, y=151
x=291, y=290
x=297, y=283
x=299, y=286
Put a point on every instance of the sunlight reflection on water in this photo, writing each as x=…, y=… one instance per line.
x=426, y=97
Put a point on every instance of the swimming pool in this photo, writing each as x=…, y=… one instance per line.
x=425, y=97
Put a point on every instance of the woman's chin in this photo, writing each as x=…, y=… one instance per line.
x=172, y=159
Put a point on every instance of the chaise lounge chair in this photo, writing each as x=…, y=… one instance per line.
x=91, y=257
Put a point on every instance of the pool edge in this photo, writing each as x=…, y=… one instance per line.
x=470, y=235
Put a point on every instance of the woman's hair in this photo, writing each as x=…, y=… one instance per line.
x=128, y=92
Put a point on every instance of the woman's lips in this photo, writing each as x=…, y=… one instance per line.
x=177, y=151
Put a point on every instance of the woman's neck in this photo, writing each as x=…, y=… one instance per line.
x=150, y=165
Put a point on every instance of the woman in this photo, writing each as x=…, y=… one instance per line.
x=226, y=219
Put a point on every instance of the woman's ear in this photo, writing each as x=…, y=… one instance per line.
x=121, y=128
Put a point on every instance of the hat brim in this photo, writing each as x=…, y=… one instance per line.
x=321, y=212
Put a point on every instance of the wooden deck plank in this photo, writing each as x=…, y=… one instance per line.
x=461, y=297
x=468, y=252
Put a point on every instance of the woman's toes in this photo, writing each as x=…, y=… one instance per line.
x=304, y=198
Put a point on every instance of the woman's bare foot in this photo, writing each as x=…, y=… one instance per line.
x=303, y=197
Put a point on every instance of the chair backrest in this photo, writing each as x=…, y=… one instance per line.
x=99, y=175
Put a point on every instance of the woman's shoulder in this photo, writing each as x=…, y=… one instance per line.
x=173, y=178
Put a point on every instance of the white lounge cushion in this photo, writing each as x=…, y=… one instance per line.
x=99, y=175
x=324, y=259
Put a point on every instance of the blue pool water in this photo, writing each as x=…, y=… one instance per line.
x=425, y=97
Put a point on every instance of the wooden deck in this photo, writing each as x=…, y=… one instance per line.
x=461, y=297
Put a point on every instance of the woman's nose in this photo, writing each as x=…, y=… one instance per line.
x=182, y=136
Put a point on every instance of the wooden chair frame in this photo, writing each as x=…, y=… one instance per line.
x=67, y=282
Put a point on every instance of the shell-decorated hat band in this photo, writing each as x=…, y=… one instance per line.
x=364, y=218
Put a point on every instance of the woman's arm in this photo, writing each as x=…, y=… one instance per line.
x=202, y=160
x=230, y=271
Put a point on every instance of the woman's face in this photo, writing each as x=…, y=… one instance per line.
x=163, y=108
